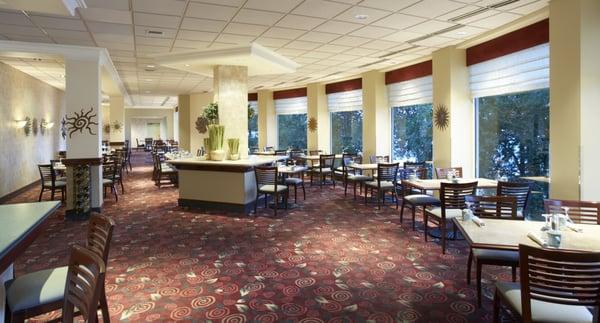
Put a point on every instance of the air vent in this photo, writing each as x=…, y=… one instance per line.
x=302, y=79
x=258, y=87
x=154, y=32
x=165, y=101
x=481, y=10
x=278, y=84
x=369, y=64
x=331, y=74
x=398, y=51
x=502, y=4
x=439, y=32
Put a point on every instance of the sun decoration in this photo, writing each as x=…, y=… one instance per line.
x=441, y=117
x=117, y=126
x=202, y=124
x=312, y=124
x=81, y=121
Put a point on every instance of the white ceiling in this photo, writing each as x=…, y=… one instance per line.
x=323, y=36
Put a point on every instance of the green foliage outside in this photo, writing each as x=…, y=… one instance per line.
x=412, y=138
x=346, y=132
x=291, y=131
x=252, y=128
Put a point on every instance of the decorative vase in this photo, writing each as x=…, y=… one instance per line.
x=234, y=156
x=217, y=155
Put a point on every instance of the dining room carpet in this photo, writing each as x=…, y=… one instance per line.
x=331, y=259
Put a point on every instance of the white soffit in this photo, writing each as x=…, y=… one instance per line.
x=54, y=7
x=259, y=60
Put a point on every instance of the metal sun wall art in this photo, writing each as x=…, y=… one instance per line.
x=312, y=124
x=117, y=126
x=81, y=121
x=441, y=117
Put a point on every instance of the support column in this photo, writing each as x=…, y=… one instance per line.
x=230, y=86
x=267, y=120
x=317, y=108
x=184, y=126
x=574, y=97
x=455, y=145
x=376, y=115
x=84, y=135
x=117, y=117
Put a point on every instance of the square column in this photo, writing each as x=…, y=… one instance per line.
x=230, y=85
x=376, y=115
x=317, y=108
x=267, y=120
x=184, y=122
x=117, y=117
x=453, y=146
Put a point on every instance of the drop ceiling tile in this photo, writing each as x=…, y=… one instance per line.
x=20, y=30
x=529, y=8
x=151, y=49
x=153, y=41
x=290, y=52
x=399, y=21
x=209, y=11
x=14, y=18
x=402, y=36
x=231, y=3
x=372, y=15
x=108, y=4
x=464, y=32
x=152, y=20
x=361, y=51
x=114, y=45
x=76, y=42
x=107, y=37
x=379, y=44
x=257, y=17
x=320, y=37
x=196, y=35
x=458, y=12
x=244, y=29
x=334, y=48
x=101, y=27
x=144, y=31
x=235, y=39
x=496, y=20
x=432, y=8
x=72, y=34
x=429, y=27
x=272, y=42
x=484, y=14
x=272, y=5
x=305, y=60
x=305, y=45
x=338, y=27
x=106, y=15
x=315, y=54
x=350, y=41
x=320, y=8
x=394, y=5
x=372, y=32
x=58, y=23
x=299, y=22
x=434, y=41
x=285, y=33
x=167, y=7
x=202, y=24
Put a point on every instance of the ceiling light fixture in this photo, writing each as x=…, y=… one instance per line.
x=146, y=91
x=150, y=66
x=361, y=17
x=187, y=65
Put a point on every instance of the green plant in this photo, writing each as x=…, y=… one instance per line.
x=215, y=134
x=251, y=112
x=207, y=147
x=211, y=113
x=234, y=145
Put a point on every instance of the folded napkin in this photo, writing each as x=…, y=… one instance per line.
x=537, y=239
x=573, y=227
x=478, y=221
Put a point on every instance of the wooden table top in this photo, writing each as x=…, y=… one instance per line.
x=291, y=169
x=363, y=166
x=435, y=184
x=20, y=224
x=508, y=234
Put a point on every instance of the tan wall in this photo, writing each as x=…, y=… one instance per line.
x=267, y=120
x=317, y=108
x=198, y=101
x=183, y=120
x=24, y=96
x=150, y=114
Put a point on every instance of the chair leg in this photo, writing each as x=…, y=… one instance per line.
x=514, y=273
x=414, y=224
x=402, y=213
x=256, y=203
x=425, y=220
x=496, y=315
x=104, y=306
x=52, y=194
x=41, y=192
x=478, y=283
x=354, y=188
x=469, y=262
x=276, y=206
x=303, y=191
x=122, y=187
x=114, y=188
x=443, y=236
x=345, y=188
x=295, y=194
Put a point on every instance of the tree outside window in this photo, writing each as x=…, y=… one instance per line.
x=412, y=138
x=346, y=132
x=291, y=131
x=253, y=130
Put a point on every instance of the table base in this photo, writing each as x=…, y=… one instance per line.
x=437, y=233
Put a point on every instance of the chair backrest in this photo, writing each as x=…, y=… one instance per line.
x=314, y=152
x=559, y=277
x=110, y=169
x=296, y=157
x=452, y=195
x=269, y=148
x=326, y=161
x=281, y=152
x=504, y=207
x=379, y=159
x=579, y=211
x=84, y=282
x=47, y=174
x=441, y=173
x=520, y=190
x=387, y=172
x=266, y=175
x=414, y=165
x=100, y=230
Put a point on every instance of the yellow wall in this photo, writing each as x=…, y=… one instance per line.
x=267, y=120
x=317, y=108
x=183, y=106
x=376, y=115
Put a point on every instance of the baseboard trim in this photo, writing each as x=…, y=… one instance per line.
x=12, y=195
x=217, y=206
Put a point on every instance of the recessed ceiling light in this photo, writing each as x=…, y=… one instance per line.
x=150, y=66
x=187, y=65
x=461, y=33
x=146, y=91
x=361, y=17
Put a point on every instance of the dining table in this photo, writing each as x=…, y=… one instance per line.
x=20, y=225
x=436, y=184
x=363, y=167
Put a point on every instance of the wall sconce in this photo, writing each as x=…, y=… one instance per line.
x=20, y=123
x=45, y=125
x=24, y=124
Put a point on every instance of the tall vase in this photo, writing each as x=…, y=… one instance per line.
x=217, y=155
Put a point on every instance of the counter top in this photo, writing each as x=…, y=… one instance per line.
x=241, y=165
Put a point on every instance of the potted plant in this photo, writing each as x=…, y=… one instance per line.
x=215, y=135
x=234, y=146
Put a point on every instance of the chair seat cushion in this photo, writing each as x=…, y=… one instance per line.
x=340, y=169
x=271, y=188
x=384, y=184
x=319, y=170
x=168, y=170
x=543, y=311
x=450, y=213
x=422, y=199
x=57, y=184
x=37, y=288
x=293, y=181
x=501, y=255
x=106, y=181
x=359, y=178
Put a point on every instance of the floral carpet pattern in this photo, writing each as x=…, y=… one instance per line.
x=332, y=259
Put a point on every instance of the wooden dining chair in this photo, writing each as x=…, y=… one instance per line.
x=555, y=286
x=350, y=175
x=323, y=169
x=163, y=171
x=415, y=198
x=492, y=207
x=442, y=173
x=387, y=177
x=452, y=201
x=267, y=183
x=579, y=211
x=50, y=182
x=281, y=152
x=519, y=190
x=315, y=152
x=43, y=291
x=109, y=177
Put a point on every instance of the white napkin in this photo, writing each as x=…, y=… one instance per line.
x=536, y=239
x=478, y=221
x=573, y=227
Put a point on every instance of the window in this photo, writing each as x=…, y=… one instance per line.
x=253, y=125
x=291, y=122
x=346, y=121
x=412, y=132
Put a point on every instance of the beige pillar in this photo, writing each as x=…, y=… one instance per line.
x=455, y=145
x=376, y=115
x=117, y=116
x=267, y=120
x=574, y=97
x=183, y=106
x=317, y=108
x=230, y=86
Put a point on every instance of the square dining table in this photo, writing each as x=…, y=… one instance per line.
x=436, y=184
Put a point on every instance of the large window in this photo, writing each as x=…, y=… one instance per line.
x=346, y=121
x=253, y=125
x=291, y=122
x=412, y=133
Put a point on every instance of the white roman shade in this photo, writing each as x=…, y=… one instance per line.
x=525, y=70
x=411, y=92
x=291, y=106
x=345, y=101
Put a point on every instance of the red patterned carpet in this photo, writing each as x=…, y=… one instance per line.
x=330, y=260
